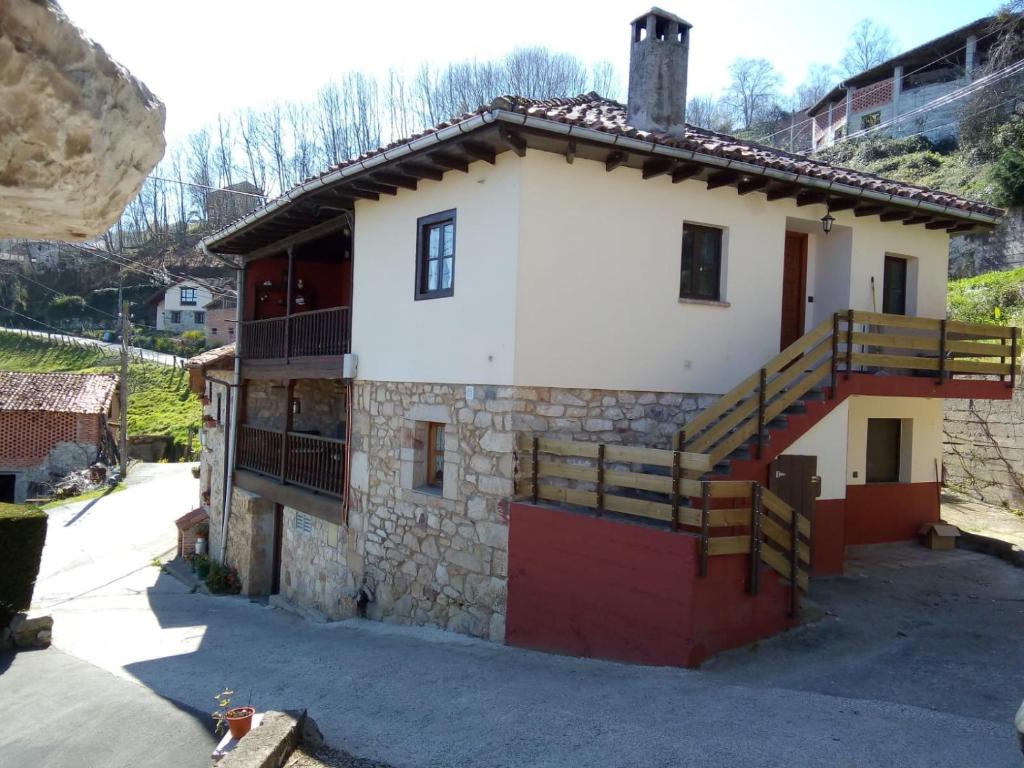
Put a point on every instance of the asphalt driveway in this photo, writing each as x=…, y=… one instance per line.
x=915, y=661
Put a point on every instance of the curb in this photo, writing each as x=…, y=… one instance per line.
x=181, y=571
x=986, y=545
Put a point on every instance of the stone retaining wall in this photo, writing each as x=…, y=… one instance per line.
x=983, y=452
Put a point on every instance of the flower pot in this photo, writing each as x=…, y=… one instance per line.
x=240, y=721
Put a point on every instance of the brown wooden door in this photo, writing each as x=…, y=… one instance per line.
x=794, y=288
x=794, y=479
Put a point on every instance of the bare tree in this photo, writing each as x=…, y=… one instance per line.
x=272, y=141
x=708, y=112
x=870, y=45
x=249, y=127
x=602, y=80
x=200, y=169
x=819, y=81
x=753, y=90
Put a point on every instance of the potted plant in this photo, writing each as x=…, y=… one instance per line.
x=209, y=421
x=238, y=720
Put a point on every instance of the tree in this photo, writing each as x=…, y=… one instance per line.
x=819, y=81
x=708, y=112
x=753, y=90
x=870, y=45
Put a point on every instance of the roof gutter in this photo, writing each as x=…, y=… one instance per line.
x=637, y=145
x=589, y=134
x=388, y=155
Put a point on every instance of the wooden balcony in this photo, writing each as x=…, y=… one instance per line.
x=311, y=462
x=314, y=340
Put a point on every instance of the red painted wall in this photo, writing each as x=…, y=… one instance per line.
x=325, y=285
x=606, y=588
x=829, y=536
x=881, y=512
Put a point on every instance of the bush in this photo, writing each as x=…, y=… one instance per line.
x=22, y=535
x=223, y=580
x=1008, y=176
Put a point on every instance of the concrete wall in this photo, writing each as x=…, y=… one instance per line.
x=924, y=444
x=464, y=338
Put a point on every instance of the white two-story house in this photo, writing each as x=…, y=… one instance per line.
x=182, y=306
x=600, y=274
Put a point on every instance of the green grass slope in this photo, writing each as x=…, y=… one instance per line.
x=994, y=297
x=159, y=400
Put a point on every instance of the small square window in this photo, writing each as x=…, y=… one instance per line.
x=435, y=455
x=435, y=255
x=700, y=275
x=175, y=316
x=199, y=317
x=870, y=120
x=188, y=297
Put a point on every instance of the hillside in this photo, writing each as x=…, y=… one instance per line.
x=993, y=297
x=159, y=400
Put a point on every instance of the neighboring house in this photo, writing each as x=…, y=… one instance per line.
x=220, y=321
x=182, y=306
x=52, y=424
x=608, y=276
x=897, y=94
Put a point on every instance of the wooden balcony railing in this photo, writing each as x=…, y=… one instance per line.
x=294, y=458
x=730, y=516
x=319, y=333
x=851, y=342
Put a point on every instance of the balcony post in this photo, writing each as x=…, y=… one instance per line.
x=942, y=352
x=289, y=393
x=288, y=306
x=1014, y=348
x=835, y=353
x=849, y=344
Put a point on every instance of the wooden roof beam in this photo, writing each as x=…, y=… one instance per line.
x=513, y=141
x=841, y=203
x=614, y=160
x=395, y=180
x=868, y=210
x=959, y=228
x=421, y=171
x=570, y=152
x=940, y=224
x=449, y=161
x=654, y=168
x=479, y=151
x=810, y=198
x=684, y=171
x=909, y=222
x=722, y=179
x=753, y=184
x=779, y=191
x=363, y=193
x=895, y=215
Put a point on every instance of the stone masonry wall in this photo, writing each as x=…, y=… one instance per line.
x=211, y=460
x=983, y=454
x=250, y=545
x=440, y=556
x=315, y=571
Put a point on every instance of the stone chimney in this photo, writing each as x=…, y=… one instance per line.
x=658, y=57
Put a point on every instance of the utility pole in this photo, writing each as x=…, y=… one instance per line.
x=123, y=447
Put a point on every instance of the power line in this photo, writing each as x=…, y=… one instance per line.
x=208, y=187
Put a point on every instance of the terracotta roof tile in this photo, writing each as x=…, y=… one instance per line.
x=60, y=392
x=600, y=114
x=212, y=356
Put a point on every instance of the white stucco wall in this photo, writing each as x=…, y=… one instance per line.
x=839, y=441
x=925, y=443
x=464, y=338
x=599, y=269
x=172, y=298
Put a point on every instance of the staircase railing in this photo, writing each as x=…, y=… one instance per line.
x=850, y=341
x=729, y=516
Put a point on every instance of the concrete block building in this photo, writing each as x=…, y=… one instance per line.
x=670, y=308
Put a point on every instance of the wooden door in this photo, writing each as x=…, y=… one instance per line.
x=794, y=479
x=275, y=574
x=894, y=286
x=794, y=288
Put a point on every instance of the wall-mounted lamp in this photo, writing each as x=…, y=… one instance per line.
x=296, y=406
x=827, y=220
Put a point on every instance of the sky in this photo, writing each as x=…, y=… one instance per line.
x=201, y=57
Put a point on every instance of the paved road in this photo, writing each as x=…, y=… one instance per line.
x=918, y=664
x=146, y=354
x=59, y=712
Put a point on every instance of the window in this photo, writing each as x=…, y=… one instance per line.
x=200, y=318
x=175, y=316
x=188, y=297
x=870, y=120
x=435, y=255
x=702, y=263
x=894, y=286
x=435, y=455
x=883, y=457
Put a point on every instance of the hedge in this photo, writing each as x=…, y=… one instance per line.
x=22, y=534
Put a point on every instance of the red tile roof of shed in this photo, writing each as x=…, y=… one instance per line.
x=59, y=392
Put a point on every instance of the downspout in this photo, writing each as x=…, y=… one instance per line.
x=232, y=431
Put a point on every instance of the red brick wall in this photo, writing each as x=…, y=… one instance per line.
x=27, y=437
